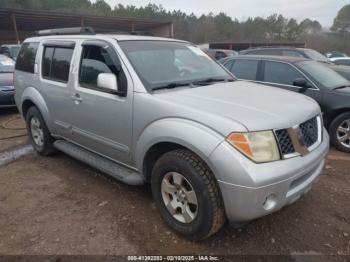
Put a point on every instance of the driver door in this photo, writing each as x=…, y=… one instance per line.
x=282, y=75
x=102, y=121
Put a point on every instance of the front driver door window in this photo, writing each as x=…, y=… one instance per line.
x=94, y=61
x=280, y=73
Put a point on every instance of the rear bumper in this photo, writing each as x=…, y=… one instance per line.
x=7, y=99
x=252, y=190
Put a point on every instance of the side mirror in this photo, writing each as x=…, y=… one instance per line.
x=301, y=82
x=107, y=81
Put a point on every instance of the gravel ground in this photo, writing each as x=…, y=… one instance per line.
x=57, y=205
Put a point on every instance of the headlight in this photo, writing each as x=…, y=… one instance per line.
x=258, y=146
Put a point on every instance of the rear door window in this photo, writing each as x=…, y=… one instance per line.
x=56, y=63
x=26, y=57
x=280, y=73
x=47, y=60
x=245, y=69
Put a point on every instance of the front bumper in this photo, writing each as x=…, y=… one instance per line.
x=251, y=190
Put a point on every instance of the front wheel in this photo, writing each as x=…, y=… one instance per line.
x=339, y=132
x=187, y=195
x=39, y=134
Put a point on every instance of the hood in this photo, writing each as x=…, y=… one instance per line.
x=255, y=106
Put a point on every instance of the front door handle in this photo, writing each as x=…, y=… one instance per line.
x=77, y=98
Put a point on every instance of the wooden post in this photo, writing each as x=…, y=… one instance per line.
x=15, y=28
x=132, y=27
x=171, y=30
x=82, y=22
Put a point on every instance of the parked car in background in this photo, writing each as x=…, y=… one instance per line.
x=286, y=51
x=10, y=50
x=7, y=66
x=335, y=54
x=299, y=52
x=341, y=60
x=218, y=54
x=211, y=147
x=314, y=79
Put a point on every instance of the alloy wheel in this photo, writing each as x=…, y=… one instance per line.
x=37, y=131
x=343, y=133
x=179, y=197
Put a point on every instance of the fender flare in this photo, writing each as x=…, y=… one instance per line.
x=34, y=96
x=194, y=136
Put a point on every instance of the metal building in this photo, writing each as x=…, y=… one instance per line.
x=16, y=25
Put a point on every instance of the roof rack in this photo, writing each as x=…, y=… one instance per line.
x=66, y=31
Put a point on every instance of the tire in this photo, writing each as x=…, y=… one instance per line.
x=209, y=213
x=45, y=148
x=343, y=121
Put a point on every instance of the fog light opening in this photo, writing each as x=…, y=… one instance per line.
x=270, y=202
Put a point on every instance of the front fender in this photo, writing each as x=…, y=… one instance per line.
x=33, y=95
x=194, y=136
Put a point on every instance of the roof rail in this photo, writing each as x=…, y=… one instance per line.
x=272, y=46
x=66, y=31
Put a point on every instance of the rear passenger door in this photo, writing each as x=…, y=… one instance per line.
x=245, y=69
x=56, y=83
x=282, y=75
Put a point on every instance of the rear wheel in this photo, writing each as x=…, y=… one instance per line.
x=39, y=134
x=339, y=131
x=187, y=195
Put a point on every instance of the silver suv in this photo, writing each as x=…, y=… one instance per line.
x=160, y=111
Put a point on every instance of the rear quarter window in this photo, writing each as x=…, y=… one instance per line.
x=26, y=57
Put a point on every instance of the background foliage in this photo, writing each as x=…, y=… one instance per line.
x=210, y=27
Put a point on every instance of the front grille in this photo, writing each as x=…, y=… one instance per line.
x=285, y=142
x=308, y=136
x=309, y=129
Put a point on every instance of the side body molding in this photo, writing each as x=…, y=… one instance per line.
x=196, y=137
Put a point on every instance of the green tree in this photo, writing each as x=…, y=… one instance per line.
x=308, y=26
x=292, y=30
x=341, y=22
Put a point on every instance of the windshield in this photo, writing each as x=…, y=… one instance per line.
x=161, y=63
x=324, y=75
x=314, y=55
x=7, y=65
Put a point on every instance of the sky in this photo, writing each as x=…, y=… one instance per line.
x=322, y=10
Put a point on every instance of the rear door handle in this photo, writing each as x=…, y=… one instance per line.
x=77, y=98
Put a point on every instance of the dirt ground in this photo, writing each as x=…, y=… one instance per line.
x=57, y=205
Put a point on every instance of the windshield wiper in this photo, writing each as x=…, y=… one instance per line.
x=171, y=85
x=341, y=87
x=194, y=83
x=208, y=81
